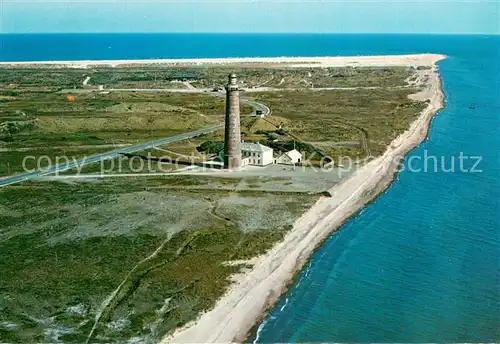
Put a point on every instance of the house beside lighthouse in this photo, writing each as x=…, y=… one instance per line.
x=256, y=154
x=236, y=153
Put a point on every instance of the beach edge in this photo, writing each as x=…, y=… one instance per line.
x=295, y=61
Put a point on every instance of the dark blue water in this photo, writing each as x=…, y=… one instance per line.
x=421, y=263
x=54, y=47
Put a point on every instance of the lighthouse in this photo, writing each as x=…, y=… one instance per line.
x=232, y=137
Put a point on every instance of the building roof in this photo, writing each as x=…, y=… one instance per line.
x=254, y=147
x=294, y=154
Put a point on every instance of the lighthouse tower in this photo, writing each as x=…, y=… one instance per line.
x=232, y=138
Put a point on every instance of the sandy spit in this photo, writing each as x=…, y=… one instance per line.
x=327, y=61
x=254, y=291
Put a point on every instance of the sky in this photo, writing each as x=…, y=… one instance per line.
x=257, y=16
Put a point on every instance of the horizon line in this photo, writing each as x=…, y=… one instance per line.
x=254, y=33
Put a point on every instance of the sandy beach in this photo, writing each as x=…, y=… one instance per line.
x=327, y=61
x=254, y=291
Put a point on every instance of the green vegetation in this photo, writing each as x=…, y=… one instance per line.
x=114, y=117
x=44, y=123
x=42, y=77
x=79, y=242
x=286, y=77
x=351, y=123
x=145, y=255
x=15, y=161
x=35, y=113
x=211, y=147
x=203, y=76
x=280, y=141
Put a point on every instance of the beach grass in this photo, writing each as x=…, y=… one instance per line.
x=340, y=121
x=78, y=242
x=201, y=76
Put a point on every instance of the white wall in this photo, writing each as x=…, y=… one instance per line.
x=267, y=158
x=284, y=159
x=260, y=158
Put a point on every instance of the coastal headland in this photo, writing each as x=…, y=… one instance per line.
x=136, y=241
x=257, y=289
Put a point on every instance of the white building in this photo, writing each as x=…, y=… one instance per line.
x=289, y=158
x=256, y=154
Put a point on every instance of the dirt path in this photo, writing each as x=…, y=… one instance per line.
x=188, y=85
x=363, y=133
x=108, y=301
x=265, y=82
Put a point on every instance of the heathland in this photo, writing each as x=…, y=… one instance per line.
x=97, y=259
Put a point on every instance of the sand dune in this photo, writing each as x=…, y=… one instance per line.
x=327, y=61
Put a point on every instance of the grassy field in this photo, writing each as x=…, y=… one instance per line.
x=46, y=124
x=35, y=115
x=104, y=118
x=115, y=260
x=16, y=161
x=201, y=76
x=78, y=242
x=340, y=121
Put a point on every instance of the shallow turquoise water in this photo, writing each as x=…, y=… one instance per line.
x=421, y=263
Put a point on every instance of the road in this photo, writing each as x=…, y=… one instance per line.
x=257, y=89
x=105, y=156
x=130, y=149
x=191, y=89
x=266, y=111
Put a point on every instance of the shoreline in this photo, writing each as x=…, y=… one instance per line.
x=320, y=61
x=247, y=301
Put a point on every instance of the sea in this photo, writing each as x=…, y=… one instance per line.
x=421, y=263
